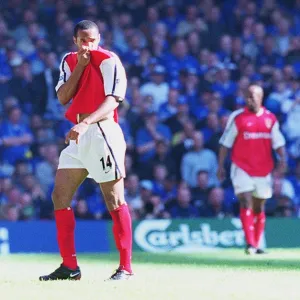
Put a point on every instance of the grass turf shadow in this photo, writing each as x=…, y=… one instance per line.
x=212, y=260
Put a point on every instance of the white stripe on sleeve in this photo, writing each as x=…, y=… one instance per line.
x=64, y=74
x=278, y=139
x=114, y=77
x=231, y=131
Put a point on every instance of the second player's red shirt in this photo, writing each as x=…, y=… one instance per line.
x=252, y=137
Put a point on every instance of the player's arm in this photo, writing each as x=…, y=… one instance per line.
x=223, y=152
x=68, y=81
x=115, y=84
x=226, y=142
x=278, y=144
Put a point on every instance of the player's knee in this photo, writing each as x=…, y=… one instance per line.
x=58, y=200
x=114, y=200
x=245, y=202
x=257, y=209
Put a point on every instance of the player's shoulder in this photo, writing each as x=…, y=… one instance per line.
x=236, y=114
x=69, y=55
x=70, y=58
x=102, y=56
x=270, y=115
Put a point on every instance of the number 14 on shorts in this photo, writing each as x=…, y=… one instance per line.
x=106, y=164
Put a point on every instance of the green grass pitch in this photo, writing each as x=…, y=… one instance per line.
x=219, y=275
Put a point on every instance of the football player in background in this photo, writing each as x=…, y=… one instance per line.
x=252, y=133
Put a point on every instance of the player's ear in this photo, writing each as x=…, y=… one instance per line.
x=74, y=40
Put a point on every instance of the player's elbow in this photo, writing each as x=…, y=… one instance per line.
x=63, y=99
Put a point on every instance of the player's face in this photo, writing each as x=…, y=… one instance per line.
x=87, y=38
x=254, y=99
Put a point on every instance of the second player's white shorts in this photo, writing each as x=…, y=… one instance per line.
x=101, y=151
x=261, y=187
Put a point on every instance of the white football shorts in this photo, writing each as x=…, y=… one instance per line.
x=261, y=187
x=100, y=150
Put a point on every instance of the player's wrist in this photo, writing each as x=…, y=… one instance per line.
x=80, y=66
x=86, y=122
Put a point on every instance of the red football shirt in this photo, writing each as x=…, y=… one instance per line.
x=103, y=76
x=252, y=137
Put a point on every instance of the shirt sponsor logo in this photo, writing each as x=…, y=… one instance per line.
x=257, y=135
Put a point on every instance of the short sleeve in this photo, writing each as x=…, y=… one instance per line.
x=277, y=137
x=114, y=77
x=230, y=132
x=64, y=74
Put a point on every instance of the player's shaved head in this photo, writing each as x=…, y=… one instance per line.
x=257, y=90
x=85, y=25
x=254, y=98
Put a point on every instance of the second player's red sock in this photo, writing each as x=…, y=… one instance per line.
x=247, y=218
x=123, y=235
x=65, y=224
x=259, y=226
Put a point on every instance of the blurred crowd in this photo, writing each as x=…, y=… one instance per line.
x=188, y=65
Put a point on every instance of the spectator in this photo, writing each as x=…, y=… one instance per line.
x=188, y=24
x=154, y=209
x=285, y=207
x=284, y=38
x=15, y=137
x=162, y=157
x=223, y=84
x=11, y=213
x=45, y=169
x=157, y=87
x=286, y=186
x=20, y=85
x=200, y=193
x=183, y=207
x=132, y=192
x=146, y=190
x=148, y=135
x=44, y=92
x=177, y=121
x=169, y=108
x=81, y=211
x=199, y=159
x=160, y=174
x=215, y=206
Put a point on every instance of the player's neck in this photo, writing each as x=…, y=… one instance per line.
x=258, y=111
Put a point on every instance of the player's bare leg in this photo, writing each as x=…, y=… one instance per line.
x=113, y=193
x=259, y=221
x=67, y=182
x=247, y=219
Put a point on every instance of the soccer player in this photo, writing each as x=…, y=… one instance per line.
x=96, y=82
x=252, y=132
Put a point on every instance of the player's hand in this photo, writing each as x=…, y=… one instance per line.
x=83, y=56
x=76, y=132
x=221, y=173
x=282, y=167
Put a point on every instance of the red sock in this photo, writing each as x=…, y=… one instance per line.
x=123, y=235
x=247, y=218
x=65, y=224
x=259, y=226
